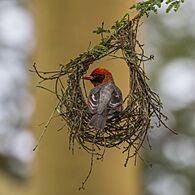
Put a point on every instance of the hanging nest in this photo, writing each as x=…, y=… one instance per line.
x=128, y=127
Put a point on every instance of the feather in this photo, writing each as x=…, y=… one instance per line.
x=98, y=121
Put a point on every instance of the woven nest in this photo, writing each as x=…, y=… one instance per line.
x=128, y=127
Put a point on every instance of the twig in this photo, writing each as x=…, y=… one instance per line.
x=46, y=126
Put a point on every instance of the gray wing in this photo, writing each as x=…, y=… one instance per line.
x=105, y=97
x=116, y=99
x=93, y=99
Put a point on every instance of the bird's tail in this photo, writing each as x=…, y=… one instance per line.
x=98, y=121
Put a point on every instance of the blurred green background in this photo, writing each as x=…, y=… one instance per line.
x=171, y=38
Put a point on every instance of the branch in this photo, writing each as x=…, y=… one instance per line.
x=145, y=7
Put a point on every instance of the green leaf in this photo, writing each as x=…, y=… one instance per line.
x=99, y=49
x=169, y=1
x=169, y=8
x=105, y=40
x=101, y=30
x=147, y=6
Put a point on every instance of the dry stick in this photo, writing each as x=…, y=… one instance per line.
x=90, y=170
x=46, y=126
x=84, y=87
x=142, y=159
x=148, y=140
x=61, y=128
x=104, y=150
x=75, y=135
x=46, y=89
x=161, y=121
x=42, y=72
x=128, y=155
x=61, y=84
x=40, y=76
x=91, y=167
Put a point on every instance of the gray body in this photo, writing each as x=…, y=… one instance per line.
x=103, y=100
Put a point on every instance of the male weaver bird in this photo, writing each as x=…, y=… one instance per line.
x=104, y=99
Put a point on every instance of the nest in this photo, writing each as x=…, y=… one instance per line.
x=128, y=127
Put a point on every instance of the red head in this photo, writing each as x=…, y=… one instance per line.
x=99, y=76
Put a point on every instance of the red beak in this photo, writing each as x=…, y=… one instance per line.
x=87, y=78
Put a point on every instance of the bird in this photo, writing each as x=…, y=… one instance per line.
x=104, y=99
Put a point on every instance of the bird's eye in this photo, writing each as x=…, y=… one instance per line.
x=97, y=78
